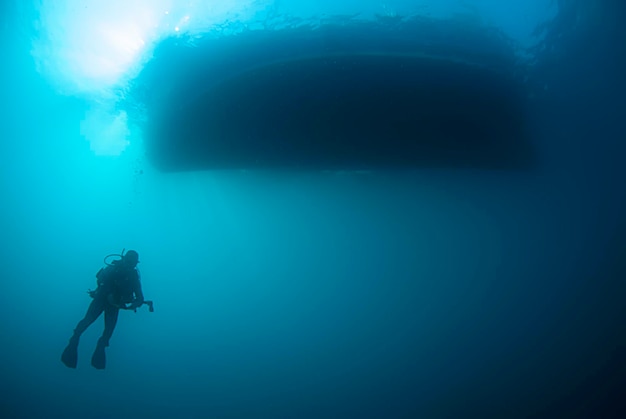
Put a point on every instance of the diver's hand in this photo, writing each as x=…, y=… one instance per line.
x=134, y=305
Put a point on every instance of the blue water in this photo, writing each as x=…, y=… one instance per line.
x=435, y=293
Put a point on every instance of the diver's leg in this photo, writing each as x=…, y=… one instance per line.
x=110, y=320
x=70, y=353
x=98, y=359
x=93, y=312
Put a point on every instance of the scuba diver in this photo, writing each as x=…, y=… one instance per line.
x=119, y=288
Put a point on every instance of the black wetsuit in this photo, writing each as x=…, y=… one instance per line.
x=118, y=285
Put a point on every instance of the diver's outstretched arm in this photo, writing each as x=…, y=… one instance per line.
x=149, y=303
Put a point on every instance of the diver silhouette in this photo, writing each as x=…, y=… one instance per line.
x=119, y=288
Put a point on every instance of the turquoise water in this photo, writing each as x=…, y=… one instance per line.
x=424, y=293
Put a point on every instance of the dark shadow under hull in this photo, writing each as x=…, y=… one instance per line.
x=349, y=109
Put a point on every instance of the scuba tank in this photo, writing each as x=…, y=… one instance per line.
x=106, y=276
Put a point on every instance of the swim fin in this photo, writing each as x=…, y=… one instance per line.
x=70, y=354
x=99, y=359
